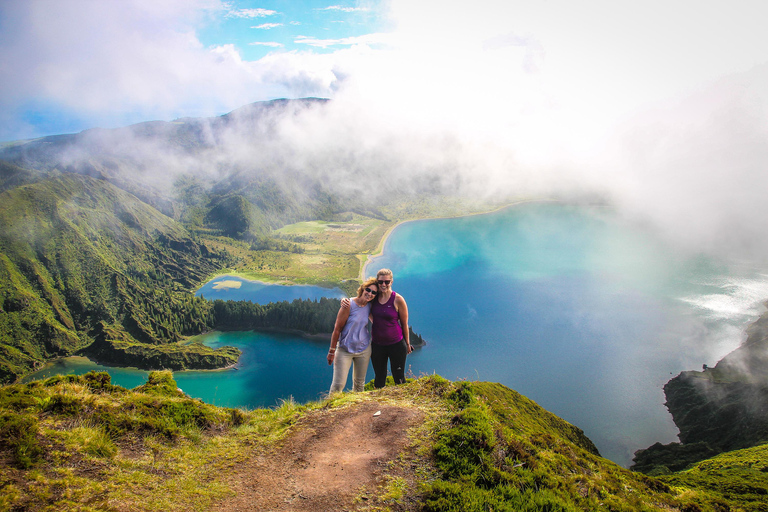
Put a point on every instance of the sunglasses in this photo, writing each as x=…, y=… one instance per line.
x=381, y=281
x=372, y=292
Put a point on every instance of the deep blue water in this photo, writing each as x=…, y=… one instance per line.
x=571, y=306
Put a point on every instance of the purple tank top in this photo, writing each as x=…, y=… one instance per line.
x=386, y=328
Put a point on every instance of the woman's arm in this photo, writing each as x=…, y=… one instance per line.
x=341, y=320
x=402, y=313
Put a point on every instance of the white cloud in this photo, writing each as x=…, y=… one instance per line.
x=267, y=26
x=342, y=8
x=526, y=98
x=250, y=13
x=134, y=60
x=272, y=44
x=368, y=39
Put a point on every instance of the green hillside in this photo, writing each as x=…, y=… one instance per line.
x=80, y=443
x=82, y=260
x=189, y=164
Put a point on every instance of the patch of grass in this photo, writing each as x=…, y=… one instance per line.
x=501, y=451
x=738, y=479
x=389, y=382
x=90, y=439
x=394, y=489
x=82, y=443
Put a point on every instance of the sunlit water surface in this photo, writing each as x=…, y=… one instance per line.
x=583, y=313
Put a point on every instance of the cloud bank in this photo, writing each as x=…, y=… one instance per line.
x=658, y=108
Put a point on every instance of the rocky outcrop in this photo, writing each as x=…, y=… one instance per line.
x=718, y=409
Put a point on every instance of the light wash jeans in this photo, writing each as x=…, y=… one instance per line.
x=342, y=360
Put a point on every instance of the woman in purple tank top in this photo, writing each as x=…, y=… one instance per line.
x=389, y=335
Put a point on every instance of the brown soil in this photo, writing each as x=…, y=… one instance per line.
x=332, y=460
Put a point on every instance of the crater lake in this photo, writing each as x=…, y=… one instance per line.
x=576, y=308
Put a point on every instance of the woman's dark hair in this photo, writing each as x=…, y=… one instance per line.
x=368, y=282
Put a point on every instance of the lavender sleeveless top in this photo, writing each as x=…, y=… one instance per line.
x=355, y=336
x=386, y=328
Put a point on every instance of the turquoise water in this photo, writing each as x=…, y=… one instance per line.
x=273, y=367
x=582, y=312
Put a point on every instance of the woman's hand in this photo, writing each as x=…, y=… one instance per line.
x=345, y=303
x=341, y=320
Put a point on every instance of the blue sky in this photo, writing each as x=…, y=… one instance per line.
x=258, y=28
x=76, y=64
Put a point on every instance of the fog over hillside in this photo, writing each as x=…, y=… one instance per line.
x=657, y=109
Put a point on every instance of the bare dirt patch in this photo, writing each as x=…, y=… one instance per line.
x=331, y=458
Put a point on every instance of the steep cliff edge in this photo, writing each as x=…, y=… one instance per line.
x=718, y=409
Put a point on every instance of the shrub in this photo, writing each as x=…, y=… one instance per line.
x=19, y=433
x=160, y=383
x=462, y=395
x=461, y=497
x=17, y=398
x=100, y=381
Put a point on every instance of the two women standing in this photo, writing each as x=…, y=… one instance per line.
x=387, y=341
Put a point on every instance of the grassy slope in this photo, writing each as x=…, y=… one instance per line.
x=79, y=443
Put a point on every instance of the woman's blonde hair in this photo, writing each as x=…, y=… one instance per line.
x=384, y=272
x=368, y=282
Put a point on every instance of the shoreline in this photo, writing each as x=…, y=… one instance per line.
x=247, y=277
x=58, y=359
x=363, y=258
x=321, y=336
x=382, y=243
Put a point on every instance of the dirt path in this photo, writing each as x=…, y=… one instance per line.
x=332, y=457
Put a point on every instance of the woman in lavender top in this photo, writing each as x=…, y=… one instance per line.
x=351, y=339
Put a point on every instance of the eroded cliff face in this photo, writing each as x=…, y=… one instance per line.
x=725, y=414
x=718, y=409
